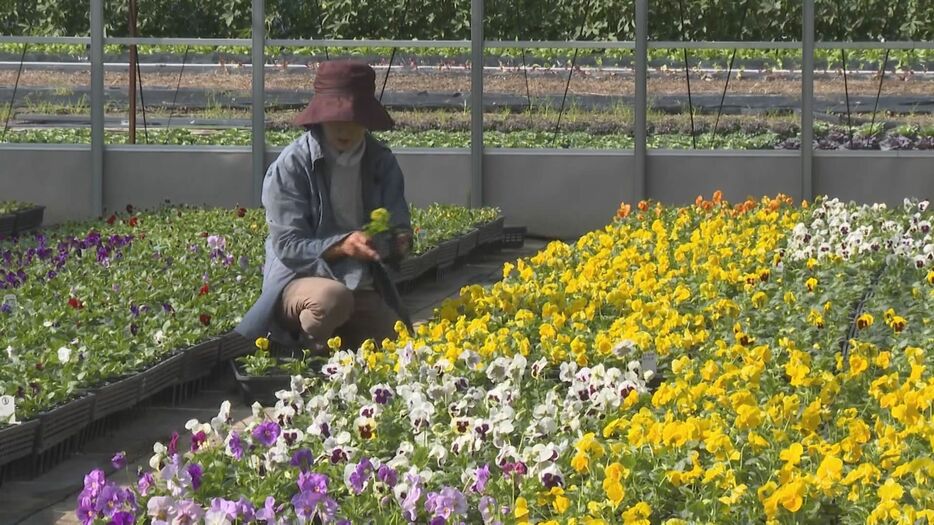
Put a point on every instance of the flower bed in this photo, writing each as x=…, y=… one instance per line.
x=114, y=311
x=526, y=401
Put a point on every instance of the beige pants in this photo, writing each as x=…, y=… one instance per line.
x=318, y=308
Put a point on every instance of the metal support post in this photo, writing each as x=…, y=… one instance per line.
x=476, y=102
x=641, y=100
x=807, y=100
x=259, y=103
x=97, y=108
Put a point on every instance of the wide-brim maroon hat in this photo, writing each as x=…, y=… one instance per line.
x=344, y=92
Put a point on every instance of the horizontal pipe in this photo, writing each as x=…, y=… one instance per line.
x=158, y=41
x=287, y=42
x=80, y=40
x=690, y=44
x=900, y=44
x=559, y=44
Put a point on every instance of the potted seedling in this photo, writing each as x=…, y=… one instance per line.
x=379, y=233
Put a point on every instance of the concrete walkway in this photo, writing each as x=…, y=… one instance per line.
x=50, y=498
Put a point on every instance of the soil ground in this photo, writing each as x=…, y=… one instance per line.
x=593, y=82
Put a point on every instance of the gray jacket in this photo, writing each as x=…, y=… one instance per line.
x=302, y=227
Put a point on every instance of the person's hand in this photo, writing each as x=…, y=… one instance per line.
x=356, y=245
x=403, y=243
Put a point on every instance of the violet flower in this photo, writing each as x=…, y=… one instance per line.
x=221, y=509
x=358, y=477
x=110, y=499
x=94, y=481
x=235, y=446
x=268, y=513
x=146, y=482
x=245, y=510
x=482, y=475
x=449, y=502
x=122, y=518
x=86, y=511
x=302, y=458
x=267, y=433
x=196, y=473
x=313, y=482
x=387, y=475
x=410, y=503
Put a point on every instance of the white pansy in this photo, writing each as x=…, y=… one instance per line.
x=297, y=384
x=567, y=371
x=257, y=409
x=321, y=422
x=283, y=411
x=289, y=398
x=464, y=444
x=219, y=422
x=496, y=370
x=216, y=517
x=547, y=425
x=539, y=366
x=438, y=452
x=278, y=453
x=517, y=366
x=318, y=403
x=348, y=392
x=64, y=354
x=470, y=358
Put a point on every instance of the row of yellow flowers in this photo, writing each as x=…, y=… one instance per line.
x=759, y=416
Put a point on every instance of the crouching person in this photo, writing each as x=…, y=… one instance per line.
x=323, y=275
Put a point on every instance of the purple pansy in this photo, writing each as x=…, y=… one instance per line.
x=145, y=483
x=302, y=458
x=387, y=475
x=482, y=476
x=358, y=477
x=449, y=502
x=267, y=433
x=196, y=472
x=235, y=446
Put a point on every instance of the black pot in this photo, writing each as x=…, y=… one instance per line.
x=116, y=396
x=447, y=252
x=382, y=243
x=18, y=441
x=260, y=389
x=165, y=374
x=29, y=219
x=491, y=232
x=234, y=345
x=200, y=360
x=7, y=225
x=467, y=242
x=61, y=423
x=409, y=269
